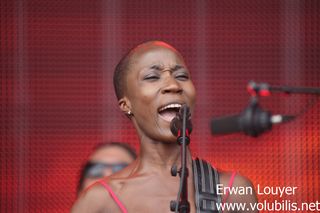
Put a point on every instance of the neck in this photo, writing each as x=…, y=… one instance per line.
x=158, y=156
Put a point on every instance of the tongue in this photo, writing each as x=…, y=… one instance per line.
x=168, y=115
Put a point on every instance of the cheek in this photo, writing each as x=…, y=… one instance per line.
x=143, y=102
x=191, y=94
x=148, y=94
x=144, y=94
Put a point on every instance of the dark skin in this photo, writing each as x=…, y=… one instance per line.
x=158, y=76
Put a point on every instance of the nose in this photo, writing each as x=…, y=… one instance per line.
x=171, y=85
x=107, y=172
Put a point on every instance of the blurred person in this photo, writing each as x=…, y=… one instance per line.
x=105, y=159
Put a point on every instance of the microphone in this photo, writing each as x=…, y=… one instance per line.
x=252, y=121
x=176, y=123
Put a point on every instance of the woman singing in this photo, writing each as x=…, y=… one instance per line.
x=152, y=82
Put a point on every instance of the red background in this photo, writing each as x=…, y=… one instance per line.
x=57, y=99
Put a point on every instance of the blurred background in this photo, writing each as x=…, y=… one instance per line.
x=57, y=98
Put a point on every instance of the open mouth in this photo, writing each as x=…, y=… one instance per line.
x=168, y=112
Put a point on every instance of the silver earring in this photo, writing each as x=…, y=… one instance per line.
x=129, y=113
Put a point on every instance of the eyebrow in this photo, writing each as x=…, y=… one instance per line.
x=160, y=67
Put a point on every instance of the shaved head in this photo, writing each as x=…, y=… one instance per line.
x=122, y=68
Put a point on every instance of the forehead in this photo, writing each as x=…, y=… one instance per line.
x=110, y=154
x=155, y=54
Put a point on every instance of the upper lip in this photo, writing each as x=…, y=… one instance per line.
x=170, y=105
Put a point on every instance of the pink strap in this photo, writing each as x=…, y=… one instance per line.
x=230, y=185
x=114, y=196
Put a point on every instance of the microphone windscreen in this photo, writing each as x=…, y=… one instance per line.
x=176, y=123
x=226, y=125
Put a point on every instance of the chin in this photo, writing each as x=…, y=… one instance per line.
x=169, y=138
x=164, y=134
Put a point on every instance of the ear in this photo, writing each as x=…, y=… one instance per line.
x=125, y=105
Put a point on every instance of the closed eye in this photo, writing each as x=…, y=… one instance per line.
x=182, y=76
x=151, y=77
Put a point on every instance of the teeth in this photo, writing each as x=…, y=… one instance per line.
x=170, y=106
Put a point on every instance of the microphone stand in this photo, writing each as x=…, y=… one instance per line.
x=182, y=204
x=295, y=90
x=264, y=89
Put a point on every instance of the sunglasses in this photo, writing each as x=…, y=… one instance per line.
x=96, y=170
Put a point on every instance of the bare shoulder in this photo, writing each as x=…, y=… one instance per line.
x=236, y=188
x=98, y=198
x=95, y=199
